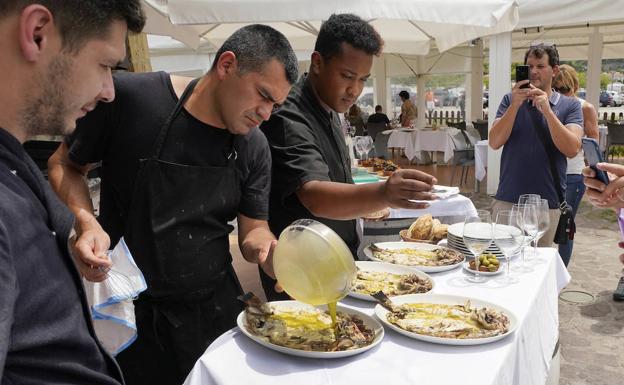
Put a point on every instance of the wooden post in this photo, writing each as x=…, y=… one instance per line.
x=137, y=53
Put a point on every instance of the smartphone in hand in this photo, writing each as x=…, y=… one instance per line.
x=593, y=156
x=522, y=73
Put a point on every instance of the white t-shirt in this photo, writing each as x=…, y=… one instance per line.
x=577, y=163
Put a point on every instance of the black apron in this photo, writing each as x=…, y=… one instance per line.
x=178, y=234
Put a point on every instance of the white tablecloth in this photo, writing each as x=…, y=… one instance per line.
x=433, y=141
x=481, y=150
x=455, y=206
x=400, y=139
x=522, y=358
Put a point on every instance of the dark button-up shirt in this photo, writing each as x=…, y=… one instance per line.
x=306, y=145
x=46, y=334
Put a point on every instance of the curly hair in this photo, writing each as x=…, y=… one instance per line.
x=350, y=29
x=81, y=20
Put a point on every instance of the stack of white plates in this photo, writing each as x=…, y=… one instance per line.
x=455, y=241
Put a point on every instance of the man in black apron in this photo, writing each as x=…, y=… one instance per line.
x=180, y=160
x=311, y=166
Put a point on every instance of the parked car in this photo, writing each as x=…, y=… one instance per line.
x=606, y=99
x=581, y=94
x=618, y=99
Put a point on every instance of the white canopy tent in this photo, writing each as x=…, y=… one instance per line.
x=583, y=30
x=408, y=27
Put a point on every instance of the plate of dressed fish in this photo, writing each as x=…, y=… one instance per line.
x=422, y=256
x=392, y=279
x=445, y=319
x=298, y=329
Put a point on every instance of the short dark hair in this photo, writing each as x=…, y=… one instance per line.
x=378, y=108
x=350, y=29
x=404, y=94
x=539, y=50
x=255, y=45
x=81, y=20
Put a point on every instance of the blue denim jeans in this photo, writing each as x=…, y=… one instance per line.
x=574, y=193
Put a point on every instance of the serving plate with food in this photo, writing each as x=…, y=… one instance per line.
x=392, y=279
x=298, y=329
x=422, y=256
x=446, y=319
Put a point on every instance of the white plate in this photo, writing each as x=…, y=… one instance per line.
x=381, y=313
x=369, y=321
x=457, y=230
x=416, y=246
x=467, y=268
x=387, y=268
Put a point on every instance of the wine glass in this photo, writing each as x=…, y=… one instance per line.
x=368, y=144
x=360, y=145
x=543, y=222
x=529, y=228
x=477, y=236
x=528, y=198
x=509, y=237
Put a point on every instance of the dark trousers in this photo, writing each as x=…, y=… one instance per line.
x=575, y=188
x=172, y=335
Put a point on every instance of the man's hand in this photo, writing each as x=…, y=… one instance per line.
x=519, y=95
x=265, y=258
x=89, y=249
x=406, y=185
x=601, y=195
x=538, y=98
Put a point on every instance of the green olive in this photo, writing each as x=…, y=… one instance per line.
x=496, y=262
x=492, y=268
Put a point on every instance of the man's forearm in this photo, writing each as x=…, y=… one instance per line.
x=70, y=184
x=501, y=129
x=566, y=140
x=342, y=201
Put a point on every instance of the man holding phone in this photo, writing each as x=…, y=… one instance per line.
x=533, y=123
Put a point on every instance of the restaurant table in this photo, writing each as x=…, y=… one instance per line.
x=434, y=141
x=522, y=358
x=400, y=138
x=481, y=149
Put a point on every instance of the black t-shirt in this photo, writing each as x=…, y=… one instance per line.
x=121, y=133
x=378, y=117
x=306, y=144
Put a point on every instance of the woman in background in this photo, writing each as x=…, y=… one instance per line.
x=566, y=82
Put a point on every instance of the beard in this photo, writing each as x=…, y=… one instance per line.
x=48, y=110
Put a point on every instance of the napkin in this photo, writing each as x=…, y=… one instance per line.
x=444, y=192
x=111, y=304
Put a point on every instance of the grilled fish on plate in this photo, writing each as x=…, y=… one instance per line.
x=296, y=328
x=445, y=319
